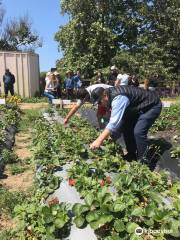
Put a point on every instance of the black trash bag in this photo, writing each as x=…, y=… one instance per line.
x=12, y=129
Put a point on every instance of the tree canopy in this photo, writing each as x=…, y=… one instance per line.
x=17, y=34
x=139, y=36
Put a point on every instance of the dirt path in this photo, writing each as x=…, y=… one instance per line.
x=22, y=181
x=25, y=106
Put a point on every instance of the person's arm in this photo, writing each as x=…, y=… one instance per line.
x=13, y=78
x=75, y=108
x=103, y=136
x=117, y=82
x=72, y=112
x=119, y=105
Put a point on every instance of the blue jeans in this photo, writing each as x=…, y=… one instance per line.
x=50, y=96
x=135, y=129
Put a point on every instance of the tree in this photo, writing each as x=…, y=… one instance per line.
x=17, y=34
x=140, y=36
x=86, y=41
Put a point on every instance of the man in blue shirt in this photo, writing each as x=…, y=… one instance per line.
x=134, y=110
x=69, y=84
x=77, y=80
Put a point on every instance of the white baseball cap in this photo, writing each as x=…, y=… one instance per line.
x=114, y=68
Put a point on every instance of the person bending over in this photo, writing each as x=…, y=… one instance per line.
x=133, y=111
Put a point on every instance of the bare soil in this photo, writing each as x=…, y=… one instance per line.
x=20, y=182
x=24, y=106
x=6, y=223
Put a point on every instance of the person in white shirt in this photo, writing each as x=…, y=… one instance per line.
x=88, y=95
x=122, y=79
x=50, y=88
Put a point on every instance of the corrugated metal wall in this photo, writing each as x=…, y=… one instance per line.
x=25, y=67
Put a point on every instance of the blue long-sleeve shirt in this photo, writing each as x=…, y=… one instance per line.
x=119, y=105
x=77, y=81
x=68, y=83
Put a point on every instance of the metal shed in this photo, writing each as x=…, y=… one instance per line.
x=25, y=67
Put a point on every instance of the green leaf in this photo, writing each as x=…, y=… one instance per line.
x=89, y=199
x=137, y=212
x=155, y=197
x=107, y=198
x=79, y=221
x=59, y=223
x=159, y=215
x=92, y=216
x=46, y=210
x=149, y=222
x=50, y=229
x=131, y=226
x=119, y=226
x=119, y=207
x=78, y=209
x=177, y=205
x=150, y=211
x=135, y=237
x=101, y=221
x=175, y=228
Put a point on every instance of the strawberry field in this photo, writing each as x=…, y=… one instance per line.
x=95, y=193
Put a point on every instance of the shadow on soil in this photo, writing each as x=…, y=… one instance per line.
x=163, y=159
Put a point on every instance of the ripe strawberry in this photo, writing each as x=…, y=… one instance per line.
x=102, y=182
x=53, y=201
x=72, y=182
x=108, y=179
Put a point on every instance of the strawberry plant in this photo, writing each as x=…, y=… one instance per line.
x=118, y=196
x=42, y=222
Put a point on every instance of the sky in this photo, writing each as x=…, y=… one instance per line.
x=46, y=19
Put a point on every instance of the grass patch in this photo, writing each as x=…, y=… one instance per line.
x=17, y=168
x=6, y=235
x=7, y=156
x=171, y=98
x=9, y=200
x=29, y=117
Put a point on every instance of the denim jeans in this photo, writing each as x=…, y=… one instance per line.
x=135, y=129
x=50, y=96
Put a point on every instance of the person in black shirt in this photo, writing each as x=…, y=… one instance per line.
x=9, y=81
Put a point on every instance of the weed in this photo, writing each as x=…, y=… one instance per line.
x=9, y=200
x=29, y=118
x=16, y=169
x=9, y=156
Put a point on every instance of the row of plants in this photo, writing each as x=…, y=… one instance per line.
x=119, y=197
x=168, y=124
x=38, y=219
x=169, y=119
x=138, y=200
x=9, y=118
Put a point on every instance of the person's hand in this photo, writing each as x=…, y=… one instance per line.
x=96, y=144
x=65, y=121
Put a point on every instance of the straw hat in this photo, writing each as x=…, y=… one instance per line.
x=56, y=73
